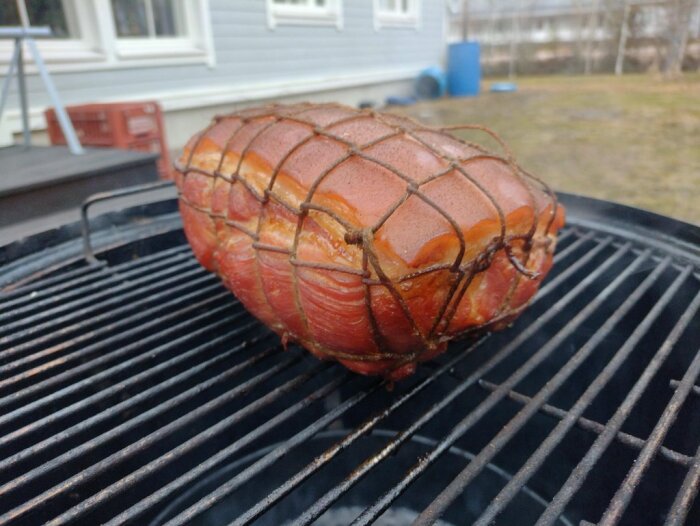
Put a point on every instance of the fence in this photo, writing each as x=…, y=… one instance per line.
x=584, y=36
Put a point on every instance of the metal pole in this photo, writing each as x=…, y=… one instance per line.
x=8, y=79
x=515, y=39
x=66, y=124
x=63, y=120
x=21, y=81
x=492, y=36
x=465, y=20
x=590, y=35
x=23, y=14
x=623, y=41
x=26, y=134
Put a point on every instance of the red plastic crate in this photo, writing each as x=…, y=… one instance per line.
x=130, y=125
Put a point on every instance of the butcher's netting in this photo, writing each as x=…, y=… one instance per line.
x=461, y=268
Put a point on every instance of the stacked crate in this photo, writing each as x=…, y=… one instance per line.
x=131, y=126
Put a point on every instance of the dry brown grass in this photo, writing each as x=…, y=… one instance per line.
x=632, y=139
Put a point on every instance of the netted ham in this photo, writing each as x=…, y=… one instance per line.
x=365, y=237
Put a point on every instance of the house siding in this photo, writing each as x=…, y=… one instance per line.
x=248, y=52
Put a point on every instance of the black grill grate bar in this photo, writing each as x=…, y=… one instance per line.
x=75, y=512
x=580, y=263
x=675, y=383
x=232, y=449
x=41, y=302
x=30, y=287
x=624, y=494
x=497, y=443
x=148, y=394
x=197, y=322
x=332, y=495
x=579, y=474
x=84, y=316
x=229, y=486
x=591, y=247
x=565, y=234
x=145, y=442
x=359, y=431
x=557, y=434
x=190, y=445
x=687, y=494
x=573, y=247
x=21, y=355
x=371, y=513
x=45, y=293
x=46, y=329
x=119, y=284
x=39, y=372
x=593, y=426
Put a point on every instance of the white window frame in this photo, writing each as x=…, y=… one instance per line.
x=99, y=47
x=389, y=19
x=282, y=15
x=65, y=50
x=192, y=45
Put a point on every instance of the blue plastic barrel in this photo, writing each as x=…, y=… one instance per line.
x=431, y=83
x=463, y=69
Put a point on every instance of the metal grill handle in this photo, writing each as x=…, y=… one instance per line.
x=88, y=253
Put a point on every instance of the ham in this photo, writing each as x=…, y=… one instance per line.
x=365, y=237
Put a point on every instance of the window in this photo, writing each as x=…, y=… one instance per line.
x=396, y=13
x=145, y=29
x=148, y=18
x=92, y=34
x=304, y=12
x=73, y=30
x=53, y=13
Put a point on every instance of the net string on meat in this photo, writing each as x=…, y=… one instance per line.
x=462, y=272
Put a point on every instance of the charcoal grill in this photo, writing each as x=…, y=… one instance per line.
x=135, y=389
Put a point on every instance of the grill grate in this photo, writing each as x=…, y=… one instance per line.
x=139, y=391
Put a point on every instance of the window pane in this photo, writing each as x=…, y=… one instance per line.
x=8, y=14
x=387, y=5
x=41, y=13
x=49, y=13
x=130, y=18
x=165, y=19
x=404, y=6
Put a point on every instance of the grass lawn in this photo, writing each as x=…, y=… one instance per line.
x=632, y=139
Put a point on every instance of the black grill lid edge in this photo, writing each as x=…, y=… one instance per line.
x=679, y=238
x=63, y=245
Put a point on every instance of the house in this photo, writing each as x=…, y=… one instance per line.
x=203, y=57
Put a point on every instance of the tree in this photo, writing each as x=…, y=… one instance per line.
x=676, y=35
